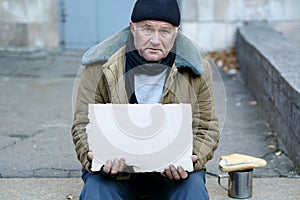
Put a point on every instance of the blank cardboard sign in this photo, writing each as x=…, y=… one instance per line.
x=149, y=136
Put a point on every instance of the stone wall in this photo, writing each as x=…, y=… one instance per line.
x=270, y=65
x=213, y=23
x=29, y=24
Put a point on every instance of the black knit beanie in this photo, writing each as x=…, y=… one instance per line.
x=162, y=10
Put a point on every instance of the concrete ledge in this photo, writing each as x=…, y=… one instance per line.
x=60, y=188
x=270, y=65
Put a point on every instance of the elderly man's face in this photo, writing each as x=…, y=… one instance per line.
x=153, y=39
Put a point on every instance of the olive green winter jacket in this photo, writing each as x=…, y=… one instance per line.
x=189, y=81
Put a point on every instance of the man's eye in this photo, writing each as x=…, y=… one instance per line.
x=147, y=30
x=165, y=31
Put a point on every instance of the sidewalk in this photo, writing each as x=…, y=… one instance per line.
x=38, y=161
x=60, y=188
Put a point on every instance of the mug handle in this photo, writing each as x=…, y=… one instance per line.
x=219, y=180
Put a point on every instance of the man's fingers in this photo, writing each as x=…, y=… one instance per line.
x=168, y=173
x=195, y=158
x=115, y=166
x=164, y=174
x=182, y=173
x=174, y=172
x=107, y=167
x=90, y=156
x=121, y=164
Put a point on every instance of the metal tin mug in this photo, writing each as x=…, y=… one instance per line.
x=239, y=184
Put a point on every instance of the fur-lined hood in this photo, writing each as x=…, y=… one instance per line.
x=188, y=53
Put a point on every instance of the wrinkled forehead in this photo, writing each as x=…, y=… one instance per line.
x=155, y=23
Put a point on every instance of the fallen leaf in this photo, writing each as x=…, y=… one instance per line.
x=252, y=103
x=271, y=146
x=220, y=63
x=69, y=197
x=226, y=59
x=225, y=68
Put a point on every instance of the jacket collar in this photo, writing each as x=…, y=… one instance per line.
x=187, y=51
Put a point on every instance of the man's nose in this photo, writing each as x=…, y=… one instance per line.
x=155, y=37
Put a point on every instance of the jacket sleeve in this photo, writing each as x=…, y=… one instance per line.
x=205, y=122
x=87, y=93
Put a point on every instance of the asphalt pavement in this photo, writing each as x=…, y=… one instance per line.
x=37, y=156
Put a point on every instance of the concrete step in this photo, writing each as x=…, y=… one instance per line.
x=61, y=188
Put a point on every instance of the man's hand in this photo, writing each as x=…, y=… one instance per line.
x=90, y=156
x=114, y=167
x=195, y=158
x=178, y=173
x=175, y=173
x=110, y=167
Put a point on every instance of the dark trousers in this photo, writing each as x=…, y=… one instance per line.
x=98, y=187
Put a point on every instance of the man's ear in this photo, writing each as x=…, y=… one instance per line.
x=131, y=27
x=178, y=29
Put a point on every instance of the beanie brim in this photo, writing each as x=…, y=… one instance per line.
x=161, y=10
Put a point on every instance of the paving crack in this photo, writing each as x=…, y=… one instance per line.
x=55, y=172
x=9, y=145
x=19, y=137
x=22, y=137
x=26, y=136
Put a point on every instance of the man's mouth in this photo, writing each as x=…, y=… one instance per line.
x=154, y=49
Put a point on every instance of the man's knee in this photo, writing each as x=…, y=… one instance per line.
x=192, y=188
x=98, y=187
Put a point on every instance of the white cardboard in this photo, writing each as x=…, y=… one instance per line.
x=149, y=136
